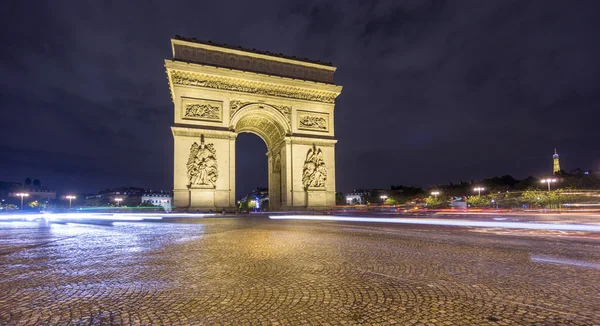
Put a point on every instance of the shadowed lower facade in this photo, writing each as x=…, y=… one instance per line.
x=218, y=92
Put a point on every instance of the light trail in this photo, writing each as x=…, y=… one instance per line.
x=572, y=262
x=439, y=222
x=54, y=217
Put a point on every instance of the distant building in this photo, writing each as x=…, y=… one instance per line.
x=260, y=195
x=354, y=199
x=130, y=196
x=8, y=191
x=358, y=197
x=158, y=199
x=556, y=163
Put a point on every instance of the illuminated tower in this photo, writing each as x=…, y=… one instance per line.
x=556, y=163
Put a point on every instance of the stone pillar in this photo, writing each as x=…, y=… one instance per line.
x=209, y=148
x=275, y=183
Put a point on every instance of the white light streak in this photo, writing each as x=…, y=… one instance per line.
x=572, y=262
x=429, y=221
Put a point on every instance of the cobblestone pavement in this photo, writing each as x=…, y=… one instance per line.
x=265, y=272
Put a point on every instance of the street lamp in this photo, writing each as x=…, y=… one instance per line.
x=479, y=189
x=548, y=181
x=383, y=198
x=22, y=194
x=70, y=198
x=118, y=200
x=435, y=193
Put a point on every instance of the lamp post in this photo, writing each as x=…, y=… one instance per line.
x=548, y=181
x=383, y=198
x=118, y=200
x=478, y=189
x=70, y=198
x=435, y=193
x=22, y=194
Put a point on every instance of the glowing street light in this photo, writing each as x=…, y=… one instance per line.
x=70, y=198
x=548, y=181
x=479, y=190
x=383, y=198
x=435, y=193
x=118, y=200
x=22, y=194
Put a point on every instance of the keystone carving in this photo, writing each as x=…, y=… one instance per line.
x=286, y=111
x=202, y=167
x=314, y=171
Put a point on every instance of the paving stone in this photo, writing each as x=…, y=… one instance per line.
x=263, y=272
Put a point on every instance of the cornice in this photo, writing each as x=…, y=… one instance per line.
x=311, y=141
x=250, y=53
x=245, y=82
x=197, y=132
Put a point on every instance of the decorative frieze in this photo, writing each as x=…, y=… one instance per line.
x=313, y=121
x=206, y=110
x=246, y=86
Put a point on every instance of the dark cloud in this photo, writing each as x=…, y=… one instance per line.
x=434, y=91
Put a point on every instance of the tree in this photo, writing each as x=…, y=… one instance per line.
x=339, y=198
x=534, y=197
x=37, y=183
x=391, y=201
x=28, y=181
x=34, y=204
x=10, y=207
x=436, y=202
x=478, y=201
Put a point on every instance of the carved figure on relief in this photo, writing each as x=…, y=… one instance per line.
x=206, y=111
x=313, y=122
x=314, y=171
x=202, y=164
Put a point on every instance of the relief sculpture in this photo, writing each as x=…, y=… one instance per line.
x=202, y=111
x=252, y=87
x=202, y=165
x=312, y=122
x=314, y=171
x=236, y=105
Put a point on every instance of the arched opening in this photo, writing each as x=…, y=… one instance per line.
x=251, y=170
x=272, y=126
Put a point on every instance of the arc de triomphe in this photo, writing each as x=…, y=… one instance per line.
x=218, y=92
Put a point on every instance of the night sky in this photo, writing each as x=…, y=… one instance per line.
x=434, y=91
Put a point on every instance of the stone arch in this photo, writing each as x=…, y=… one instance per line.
x=270, y=124
x=264, y=120
x=288, y=103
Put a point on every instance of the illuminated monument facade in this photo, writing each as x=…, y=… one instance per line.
x=219, y=92
x=556, y=169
